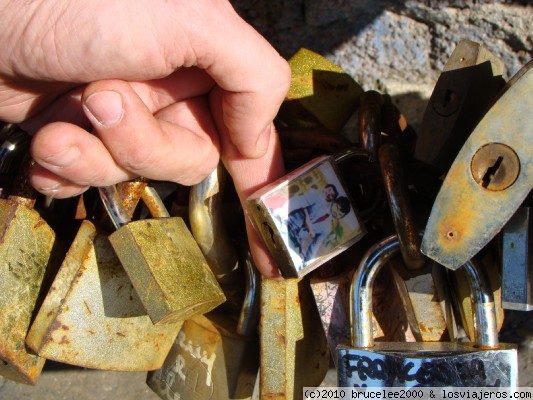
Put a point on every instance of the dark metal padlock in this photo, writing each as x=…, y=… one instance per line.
x=306, y=217
x=365, y=363
x=517, y=275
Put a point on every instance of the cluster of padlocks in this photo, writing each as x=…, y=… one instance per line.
x=399, y=250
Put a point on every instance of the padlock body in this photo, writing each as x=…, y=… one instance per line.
x=427, y=365
x=517, y=275
x=306, y=217
x=92, y=316
x=167, y=269
x=26, y=243
x=208, y=361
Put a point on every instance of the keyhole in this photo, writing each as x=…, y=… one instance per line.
x=491, y=171
x=449, y=96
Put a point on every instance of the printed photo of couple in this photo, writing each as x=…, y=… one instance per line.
x=313, y=215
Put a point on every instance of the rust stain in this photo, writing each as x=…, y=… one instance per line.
x=64, y=327
x=64, y=340
x=120, y=334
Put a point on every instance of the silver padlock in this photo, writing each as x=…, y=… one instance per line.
x=365, y=363
x=306, y=217
x=517, y=275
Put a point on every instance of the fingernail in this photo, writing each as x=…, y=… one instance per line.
x=104, y=107
x=261, y=146
x=53, y=188
x=63, y=159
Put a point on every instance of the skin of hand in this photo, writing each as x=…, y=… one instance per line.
x=114, y=89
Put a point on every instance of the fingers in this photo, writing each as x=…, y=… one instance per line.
x=253, y=76
x=153, y=148
x=179, y=144
x=248, y=176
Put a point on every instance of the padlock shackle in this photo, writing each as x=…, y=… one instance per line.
x=351, y=152
x=377, y=256
x=113, y=206
x=400, y=206
x=206, y=217
x=249, y=315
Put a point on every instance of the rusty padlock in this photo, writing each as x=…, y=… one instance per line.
x=92, y=316
x=306, y=217
x=425, y=295
x=293, y=348
x=214, y=356
x=164, y=263
x=26, y=249
x=486, y=362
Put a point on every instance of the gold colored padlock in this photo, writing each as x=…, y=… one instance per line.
x=164, y=263
x=92, y=316
x=215, y=357
x=26, y=251
x=321, y=93
x=294, y=352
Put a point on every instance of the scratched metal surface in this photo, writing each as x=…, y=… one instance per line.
x=92, y=316
x=427, y=364
x=26, y=243
x=465, y=216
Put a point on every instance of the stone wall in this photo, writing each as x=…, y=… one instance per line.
x=397, y=47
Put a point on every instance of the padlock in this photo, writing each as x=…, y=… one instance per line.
x=389, y=321
x=14, y=146
x=27, y=245
x=493, y=170
x=467, y=86
x=490, y=261
x=517, y=275
x=365, y=363
x=92, y=316
x=293, y=348
x=418, y=283
x=306, y=217
x=164, y=263
x=214, y=356
x=369, y=123
x=320, y=94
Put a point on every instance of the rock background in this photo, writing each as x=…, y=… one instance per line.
x=397, y=47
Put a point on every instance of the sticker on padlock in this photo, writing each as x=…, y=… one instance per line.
x=483, y=363
x=517, y=275
x=164, y=263
x=307, y=217
x=27, y=246
x=92, y=316
x=467, y=86
x=214, y=356
x=493, y=170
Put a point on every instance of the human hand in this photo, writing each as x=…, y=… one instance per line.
x=165, y=86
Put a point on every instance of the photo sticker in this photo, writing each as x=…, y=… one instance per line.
x=313, y=215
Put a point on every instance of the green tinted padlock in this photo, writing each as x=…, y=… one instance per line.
x=92, y=316
x=26, y=247
x=164, y=263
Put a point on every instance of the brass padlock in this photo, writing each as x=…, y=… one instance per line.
x=320, y=94
x=469, y=83
x=306, y=217
x=164, y=263
x=92, y=316
x=483, y=363
x=214, y=356
x=26, y=250
x=293, y=348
